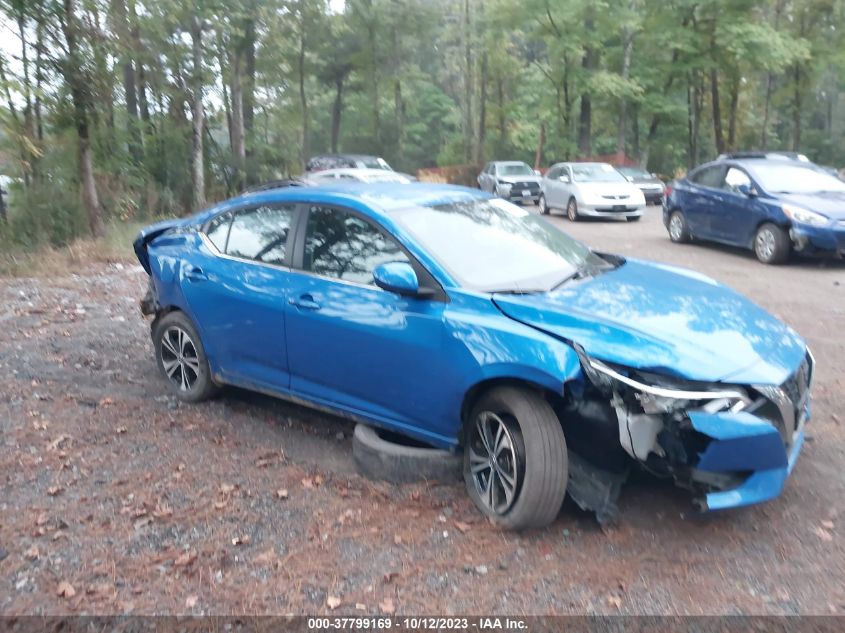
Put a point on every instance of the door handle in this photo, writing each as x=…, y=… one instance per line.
x=304, y=302
x=195, y=274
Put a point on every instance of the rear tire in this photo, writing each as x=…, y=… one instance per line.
x=572, y=210
x=181, y=358
x=678, y=229
x=515, y=462
x=771, y=244
x=633, y=218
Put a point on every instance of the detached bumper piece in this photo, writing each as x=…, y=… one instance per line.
x=743, y=443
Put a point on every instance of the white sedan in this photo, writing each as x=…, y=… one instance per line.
x=350, y=174
x=590, y=189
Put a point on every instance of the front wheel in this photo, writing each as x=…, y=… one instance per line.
x=515, y=460
x=771, y=244
x=572, y=210
x=544, y=208
x=633, y=218
x=181, y=358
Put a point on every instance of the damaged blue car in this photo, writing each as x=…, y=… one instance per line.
x=470, y=324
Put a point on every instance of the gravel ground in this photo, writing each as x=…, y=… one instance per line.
x=115, y=498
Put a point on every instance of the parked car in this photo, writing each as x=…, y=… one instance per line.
x=592, y=190
x=510, y=180
x=356, y=175
x=468, y=323
x=347, y=161
x=771, y=206
x=649, y=184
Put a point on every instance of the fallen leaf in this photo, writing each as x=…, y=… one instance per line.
x=318, y=480
x=226, y=488
x=185, y=559
x=219, y=505
x=332, y=602
x=191, y=602
x=142, y=523
x=615, y=601
x=32, y=553
x=55, y=490
x=266, y=557
x=307, y=482
x=360, y=606
x=242, y=540
x=162, y=510
x=824, y=535
x=397, y=540
x=139, y=512
x=56, y=443
x=121, y=430
x=462, y=527
x=282, y=493
x=387, y=606
x=389, y=576
x=42, y=519
x=106, y=402
x=828, y=525
x=65, y=590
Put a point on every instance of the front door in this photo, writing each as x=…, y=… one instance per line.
x=353, y=344
x=236, y=289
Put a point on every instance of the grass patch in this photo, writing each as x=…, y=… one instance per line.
x=116, y=246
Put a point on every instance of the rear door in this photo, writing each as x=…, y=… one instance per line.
x=236, y=288
x=352, y=344
x=700, y=199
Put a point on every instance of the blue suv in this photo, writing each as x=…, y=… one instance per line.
x=770, y=204
x=469, y=323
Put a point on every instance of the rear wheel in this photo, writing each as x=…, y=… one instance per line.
x=633, y=218
x=771, y=244
x=515, y=459
x=678, y=230
x=181, y=358
x=544, y=208
x=572, y=210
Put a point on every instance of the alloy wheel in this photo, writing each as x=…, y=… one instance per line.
x=676, y=227
x=494, y=464
x=765, y=245
x=572, y=210
x=179, y=358
x=542, y=204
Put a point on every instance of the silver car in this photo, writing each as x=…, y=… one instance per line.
x=511, y=180
x=590, y=189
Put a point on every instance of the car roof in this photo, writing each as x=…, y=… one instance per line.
x=352, y=156
x=509, y=162
x=374, y=199
x=356, y=171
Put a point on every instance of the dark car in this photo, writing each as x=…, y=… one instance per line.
x=349, y=161
x=772, y=206
x=651, y=186
x=466, y=322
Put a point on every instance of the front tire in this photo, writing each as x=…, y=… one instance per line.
x=515, y=461
x=633, y=218
x=572, y=210
x=771, y=244
x=181, y=358
x=544, y=208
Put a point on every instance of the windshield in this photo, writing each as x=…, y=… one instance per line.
x=595, y=172
x=515, y=169
x=792, y=178
x=496, y=246
x=634, y=172
x=375, y=163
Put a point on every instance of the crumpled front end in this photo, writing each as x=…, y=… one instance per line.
x=732, y=445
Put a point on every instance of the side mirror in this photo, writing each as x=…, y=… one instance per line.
x=537, y=172
x=564, y=178
x=398, y=277
x=746, y=190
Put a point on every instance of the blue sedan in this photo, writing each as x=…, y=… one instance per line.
x=471, y=324
x=772, y=206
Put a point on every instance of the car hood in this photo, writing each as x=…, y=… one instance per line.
x=667, y=320
x=830, y=204
x=647, y=181
x=513, y=179
x=609, y=188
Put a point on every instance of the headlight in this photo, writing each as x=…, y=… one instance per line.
x=804, y=216
x=661, y=394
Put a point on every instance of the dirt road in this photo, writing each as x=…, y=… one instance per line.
x=115, y=498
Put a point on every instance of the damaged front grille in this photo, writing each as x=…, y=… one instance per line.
x=785, y=406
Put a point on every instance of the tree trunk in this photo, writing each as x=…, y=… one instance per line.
x=238, y=133
x=482, y=112
x=133, y=127
x=500, y=98
x=303, y=100
x=585, y=117
x=717, y=111
x=468, y=82
x=628, y=49
x=538, y=157
x=197, y=117
x=337, y=112
x=77, y=84
x=796, y=108
x=764, y=133
x=732, y=114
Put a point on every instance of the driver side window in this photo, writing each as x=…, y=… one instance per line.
x=736, y=178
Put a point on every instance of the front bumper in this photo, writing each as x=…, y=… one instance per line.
x=609, y=210
x=520, y=193
x=820, y=240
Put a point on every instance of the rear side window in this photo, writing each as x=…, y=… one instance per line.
x=261, y=234
x=218, y=231
x=344, y=246
x=708, y=177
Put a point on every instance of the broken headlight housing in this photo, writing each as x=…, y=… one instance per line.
x=662, y=394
